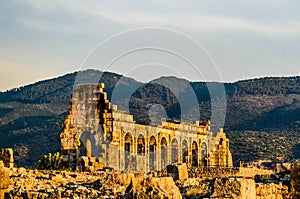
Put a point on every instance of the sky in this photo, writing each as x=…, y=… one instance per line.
x=236, y=39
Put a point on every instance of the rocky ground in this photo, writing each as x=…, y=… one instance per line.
x=112, y=184
x=108, y=183
x=65, y=184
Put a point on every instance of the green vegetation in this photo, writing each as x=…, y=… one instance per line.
x=50, y=162
x=260, y=112
x=248, y=146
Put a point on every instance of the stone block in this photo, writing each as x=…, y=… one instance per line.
x=166, y=186
x=178, y=172
x=98, y=166
x=248, y=189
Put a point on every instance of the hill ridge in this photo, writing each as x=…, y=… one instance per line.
x=36, y=111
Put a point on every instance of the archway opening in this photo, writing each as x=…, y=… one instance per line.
x=204, y=154
x=87, y=145
x=195, y=154
x=141, y=145
x=152, y=151
x=184, y=151
x=174, y=151
x=127, y=149
x=164, y=153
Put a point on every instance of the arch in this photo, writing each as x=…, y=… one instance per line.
x=141, y=145
x=164, y=152
x=195, y=154
x=204, y=154
x=184, y=151
x=152, y=151
x=88, y=147
x=127, y=148
x=174, y=150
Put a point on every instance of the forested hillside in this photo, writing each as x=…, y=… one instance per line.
x=262, y=118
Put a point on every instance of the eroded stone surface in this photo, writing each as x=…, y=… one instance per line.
x=178, y=172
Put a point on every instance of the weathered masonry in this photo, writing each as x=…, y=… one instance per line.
x=96, y=134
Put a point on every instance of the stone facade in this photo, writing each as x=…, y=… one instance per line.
x=96, y=133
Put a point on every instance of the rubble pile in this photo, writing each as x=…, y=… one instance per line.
x=217, y=188
x=276, y=191
x=65, y=184
x=174, y=182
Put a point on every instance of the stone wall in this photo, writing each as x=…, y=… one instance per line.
x=213, y=172
x=90, y=164
x=252, y=171
x=272, y=191
x=247, y=189
x=7, y=156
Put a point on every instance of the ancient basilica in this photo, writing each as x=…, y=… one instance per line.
x=96, y=134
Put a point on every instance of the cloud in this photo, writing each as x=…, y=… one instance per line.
x=204, y=23
x=186, y=20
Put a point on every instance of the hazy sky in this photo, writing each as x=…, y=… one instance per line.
x=246, y=39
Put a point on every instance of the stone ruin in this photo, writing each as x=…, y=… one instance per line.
x=96, y=134
x=178, y=182
x=129, y=160
x=6, y=163
x=4, y=179
x=7, y=157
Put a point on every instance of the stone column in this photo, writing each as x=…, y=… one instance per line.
x=180, y=150
x=147, y=152
x=169, y=148
x=190, y=160
x=158, y=161
x=199, y=152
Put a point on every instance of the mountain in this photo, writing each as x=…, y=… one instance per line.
x=31, y=116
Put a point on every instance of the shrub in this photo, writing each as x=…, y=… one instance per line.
x=50, y=162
